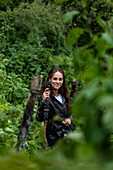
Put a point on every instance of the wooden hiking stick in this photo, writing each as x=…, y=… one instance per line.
x=74, y=88
x=44, y=136
x=35, y=88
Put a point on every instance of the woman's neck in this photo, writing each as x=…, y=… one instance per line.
x=55, y=92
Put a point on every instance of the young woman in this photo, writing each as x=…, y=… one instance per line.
x=53, y=107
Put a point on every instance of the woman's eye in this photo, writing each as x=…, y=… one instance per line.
x=60, y=79
x=54, y=78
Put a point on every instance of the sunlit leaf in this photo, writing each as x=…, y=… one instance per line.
x=68, y=16
x=102, y=23
x=108, y=38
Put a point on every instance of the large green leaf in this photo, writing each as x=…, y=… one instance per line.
x=68, y=16
x=73, y=36
x=107, y=36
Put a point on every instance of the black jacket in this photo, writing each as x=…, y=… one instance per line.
x=47, y=112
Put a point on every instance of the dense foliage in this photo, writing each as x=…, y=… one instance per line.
x=78, y=37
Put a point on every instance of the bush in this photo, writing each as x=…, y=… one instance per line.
x=43, y=21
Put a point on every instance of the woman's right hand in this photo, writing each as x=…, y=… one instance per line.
x=46, y=94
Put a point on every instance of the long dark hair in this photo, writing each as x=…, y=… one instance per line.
x=63, y=89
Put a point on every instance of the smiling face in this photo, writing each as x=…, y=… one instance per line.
x=56, y=80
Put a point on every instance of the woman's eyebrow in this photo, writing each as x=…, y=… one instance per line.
x=57, y=78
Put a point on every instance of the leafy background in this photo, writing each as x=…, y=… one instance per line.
x=77, y=36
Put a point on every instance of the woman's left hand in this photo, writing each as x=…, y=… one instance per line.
x=67, y=121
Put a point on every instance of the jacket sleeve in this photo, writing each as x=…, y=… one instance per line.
x=43, y=110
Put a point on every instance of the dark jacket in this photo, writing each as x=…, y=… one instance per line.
x=47, y=112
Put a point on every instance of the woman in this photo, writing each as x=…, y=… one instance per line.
x=53, y=107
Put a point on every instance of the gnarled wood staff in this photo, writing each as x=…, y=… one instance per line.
x=35, y=88
x=74, y=87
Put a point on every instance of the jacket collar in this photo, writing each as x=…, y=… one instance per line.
x=63, y=100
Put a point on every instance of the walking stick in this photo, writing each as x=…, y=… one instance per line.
x=74, y=88
x=35, y=88
x=44, y=137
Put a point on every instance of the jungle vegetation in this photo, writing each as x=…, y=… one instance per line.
x=77, y=36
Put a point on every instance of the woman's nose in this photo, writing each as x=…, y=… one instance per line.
x=57, y=81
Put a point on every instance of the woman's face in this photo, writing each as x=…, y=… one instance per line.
x=57, y=80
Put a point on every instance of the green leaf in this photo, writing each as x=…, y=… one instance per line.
x=68, y=16
x=60, y=1
x=73, y=36
x=107, y=36
x=102, y=23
